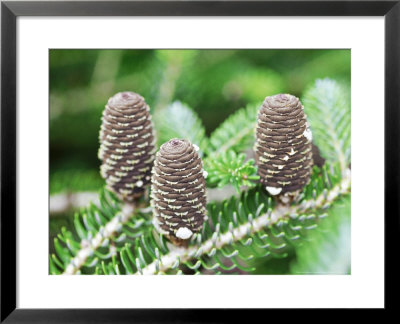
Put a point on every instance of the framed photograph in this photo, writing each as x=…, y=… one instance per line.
x=196, y=155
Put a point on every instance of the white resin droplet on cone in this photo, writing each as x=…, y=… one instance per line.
x=274, y=191
x=184, y=233
x=307, y=134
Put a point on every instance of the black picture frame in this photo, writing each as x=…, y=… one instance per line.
x=10, y=10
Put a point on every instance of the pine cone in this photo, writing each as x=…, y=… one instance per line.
x=283, y=146
x=127, y=145
x=178, y=191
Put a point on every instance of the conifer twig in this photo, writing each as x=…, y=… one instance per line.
x=257, y=224
x=62, y=202
x=106, y=232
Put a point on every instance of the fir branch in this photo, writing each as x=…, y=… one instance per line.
x=99, y=233
x=89, y=246
x=178, y=120
x=236, y=132
x=327, y=104
x=327, y=250
x=180, y=255
x=62, y=202
x=230, y=168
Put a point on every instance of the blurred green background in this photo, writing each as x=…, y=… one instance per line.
x=215, y=83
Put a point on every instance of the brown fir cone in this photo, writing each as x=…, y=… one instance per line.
x=127, y=145
x=283, y=146
x=178, y=191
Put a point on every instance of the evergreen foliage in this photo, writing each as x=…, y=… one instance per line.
x=327, y=248
x=99, y=232
x=75, y=180
x=241, y=231
x=327, y=104
x=180, y=121
x=229, y=167
x=236, y=132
